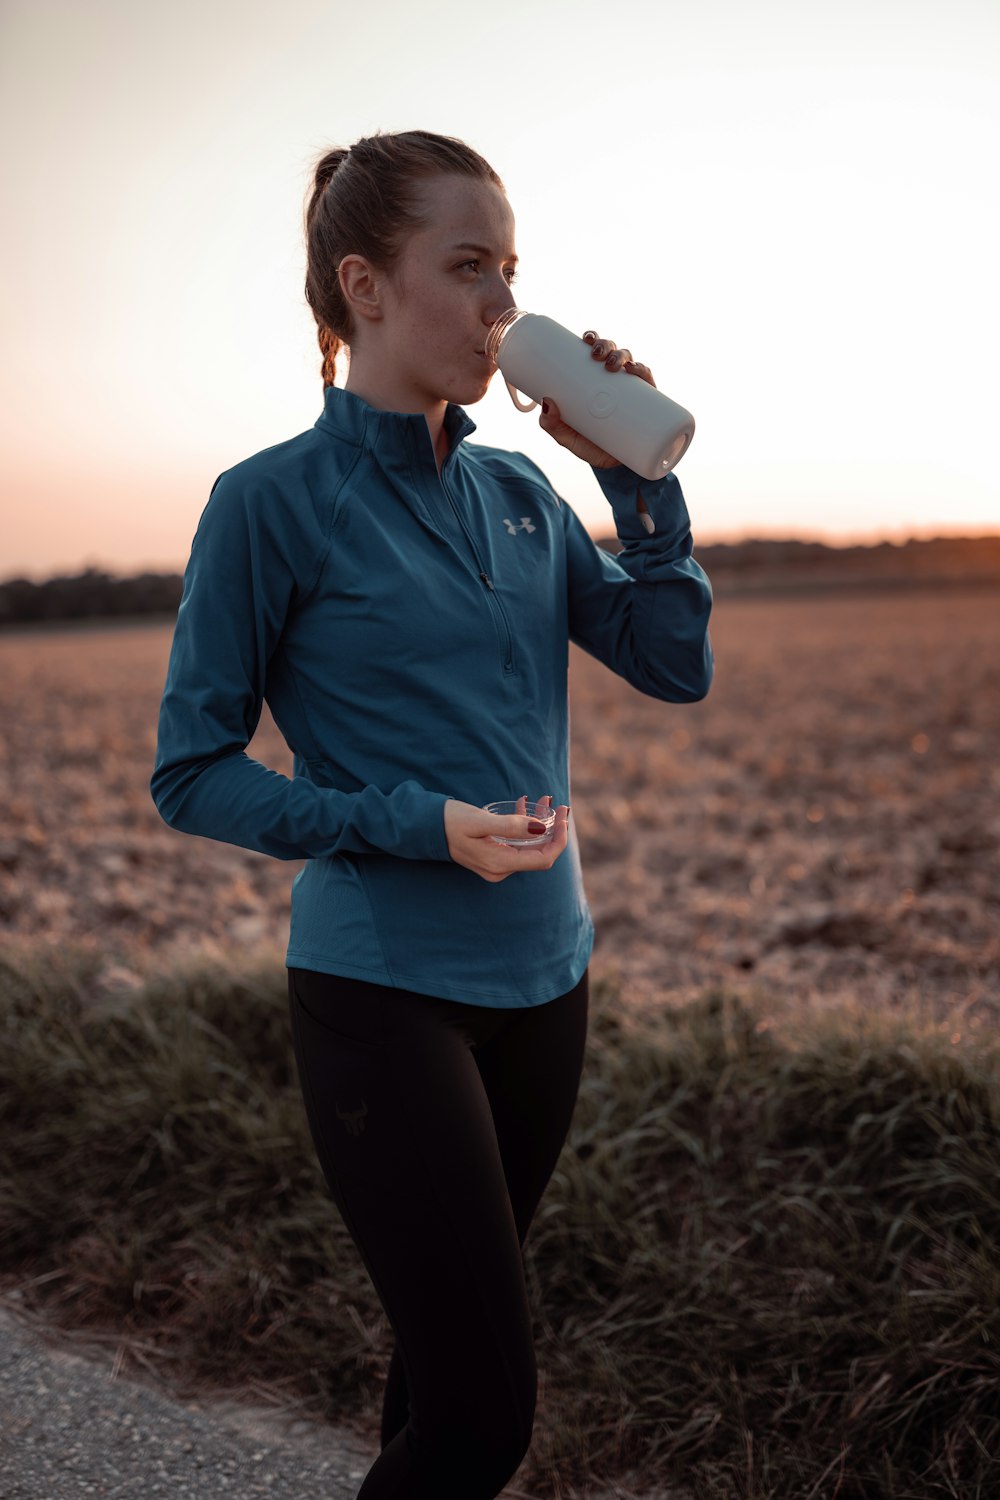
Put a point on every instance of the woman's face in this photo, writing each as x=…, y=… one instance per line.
x=449, y=285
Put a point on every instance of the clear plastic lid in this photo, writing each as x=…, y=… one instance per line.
x=498, y=332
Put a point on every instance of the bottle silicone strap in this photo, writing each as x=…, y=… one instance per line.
x=517, y=401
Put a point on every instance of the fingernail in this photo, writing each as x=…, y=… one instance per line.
x=545, y=407
x=535, y=827
x=630, y=364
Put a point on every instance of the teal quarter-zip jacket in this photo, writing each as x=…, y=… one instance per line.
x=409, y=631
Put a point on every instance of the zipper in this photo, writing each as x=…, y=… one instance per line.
x=493, y=598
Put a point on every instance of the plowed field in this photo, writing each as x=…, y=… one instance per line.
x=825, y=826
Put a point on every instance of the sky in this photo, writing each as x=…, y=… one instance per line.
x=787, y=209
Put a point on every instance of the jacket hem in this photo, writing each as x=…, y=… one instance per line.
x=444, y=989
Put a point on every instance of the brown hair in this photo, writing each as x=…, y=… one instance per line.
x=362, y=203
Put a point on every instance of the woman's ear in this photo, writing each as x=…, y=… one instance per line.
x=360, y=285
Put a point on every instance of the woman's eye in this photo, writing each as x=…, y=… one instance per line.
x=510, y=273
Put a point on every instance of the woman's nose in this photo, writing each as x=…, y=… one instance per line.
x=497, y=303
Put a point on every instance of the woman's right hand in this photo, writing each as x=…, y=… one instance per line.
x=606, y=352
x=470, y=831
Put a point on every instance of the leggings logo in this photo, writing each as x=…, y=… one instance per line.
x=354, y=1119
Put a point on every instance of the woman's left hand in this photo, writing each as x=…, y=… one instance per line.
x=614, y=359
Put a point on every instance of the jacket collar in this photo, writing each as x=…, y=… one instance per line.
x=354, y=420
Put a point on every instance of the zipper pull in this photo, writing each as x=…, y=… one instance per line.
x=488, y=582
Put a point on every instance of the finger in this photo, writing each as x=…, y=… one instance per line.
x=536, y=857
x=538, y=819
x=512, y=859
x=579, y=446
x=617, y=358
x=550, y=421
x=543, y=806
x=543, y=856
x=601, y=348
x=556, y=833
x=517, y=826
x=521, y=803
x=493, y=827
x=643, y=371
x=590, y=336
x=549, y=417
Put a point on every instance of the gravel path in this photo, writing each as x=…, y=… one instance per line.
x=73, y=1429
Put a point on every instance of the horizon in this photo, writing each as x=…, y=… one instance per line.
x=790, y=223
x=834, y=544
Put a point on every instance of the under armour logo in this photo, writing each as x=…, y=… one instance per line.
x=526, y=525
x=354, y=1119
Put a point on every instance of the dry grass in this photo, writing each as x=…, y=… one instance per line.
x=824, y=827
x=766, y=1265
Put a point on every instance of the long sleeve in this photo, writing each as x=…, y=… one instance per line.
x=645, y=612
x=254, y=557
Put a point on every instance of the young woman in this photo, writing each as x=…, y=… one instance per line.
x=404, y=601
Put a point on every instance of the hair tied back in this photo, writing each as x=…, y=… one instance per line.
x=371, y=213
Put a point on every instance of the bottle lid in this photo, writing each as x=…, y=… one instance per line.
x=498, y=332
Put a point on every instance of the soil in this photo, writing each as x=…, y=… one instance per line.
x=824, y=827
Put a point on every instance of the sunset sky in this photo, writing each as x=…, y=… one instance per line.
x=787, y=208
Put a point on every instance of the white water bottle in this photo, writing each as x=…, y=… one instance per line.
x=627, y=417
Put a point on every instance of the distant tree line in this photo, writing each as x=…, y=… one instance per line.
x=791, y=565
x=90, y=595
x=761, y=565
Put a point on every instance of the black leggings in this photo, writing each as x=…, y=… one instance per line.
x=438, y=1125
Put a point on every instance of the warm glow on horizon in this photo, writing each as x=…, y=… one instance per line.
x=788, y=211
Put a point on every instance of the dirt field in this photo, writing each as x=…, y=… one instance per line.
x=825, y=826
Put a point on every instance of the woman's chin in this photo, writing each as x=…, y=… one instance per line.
x=474, y=391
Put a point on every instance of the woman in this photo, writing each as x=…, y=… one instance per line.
x=404, y=601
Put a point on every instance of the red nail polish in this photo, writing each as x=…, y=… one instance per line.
x=535, y=827
x=545, y=407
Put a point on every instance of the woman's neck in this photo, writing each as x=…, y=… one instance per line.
x=384, y=398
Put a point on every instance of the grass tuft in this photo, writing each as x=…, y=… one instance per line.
x=766, y=1266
